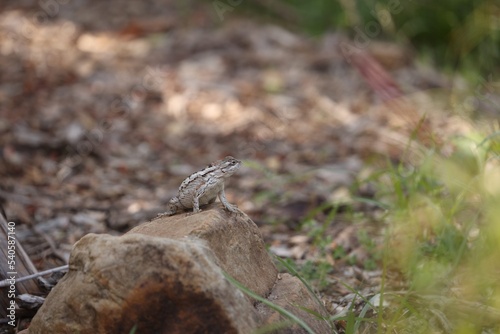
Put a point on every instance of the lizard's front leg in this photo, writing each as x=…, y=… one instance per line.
x=196, y=203
x=196, y=198
x=227, y=205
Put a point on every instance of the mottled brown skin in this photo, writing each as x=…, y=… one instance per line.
x=203, y=187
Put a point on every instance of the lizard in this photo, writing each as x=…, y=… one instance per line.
x=203, y=187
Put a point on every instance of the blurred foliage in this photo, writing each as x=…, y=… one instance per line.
x=445, y=224
x=462, y=34
x=318, y=16
x=456, y=34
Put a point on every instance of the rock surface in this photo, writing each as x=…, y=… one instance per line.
x=166, y=276
x=235, y=240
x=158, y=285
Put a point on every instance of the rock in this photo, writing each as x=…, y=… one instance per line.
x=158, y=285
x=235, y=240
x=290, y=293
x=166, y=276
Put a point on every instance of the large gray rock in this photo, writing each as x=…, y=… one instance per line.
x=234, y=238
x=158, y=285
x=165, y=276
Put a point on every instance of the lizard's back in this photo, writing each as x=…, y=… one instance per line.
x=208, y=183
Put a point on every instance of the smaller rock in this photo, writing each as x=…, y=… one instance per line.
x=290, y=294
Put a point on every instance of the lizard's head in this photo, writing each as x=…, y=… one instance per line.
x=229, y=166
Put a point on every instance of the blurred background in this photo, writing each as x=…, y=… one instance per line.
x=368, y=131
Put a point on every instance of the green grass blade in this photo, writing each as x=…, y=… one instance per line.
x=307, y=285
